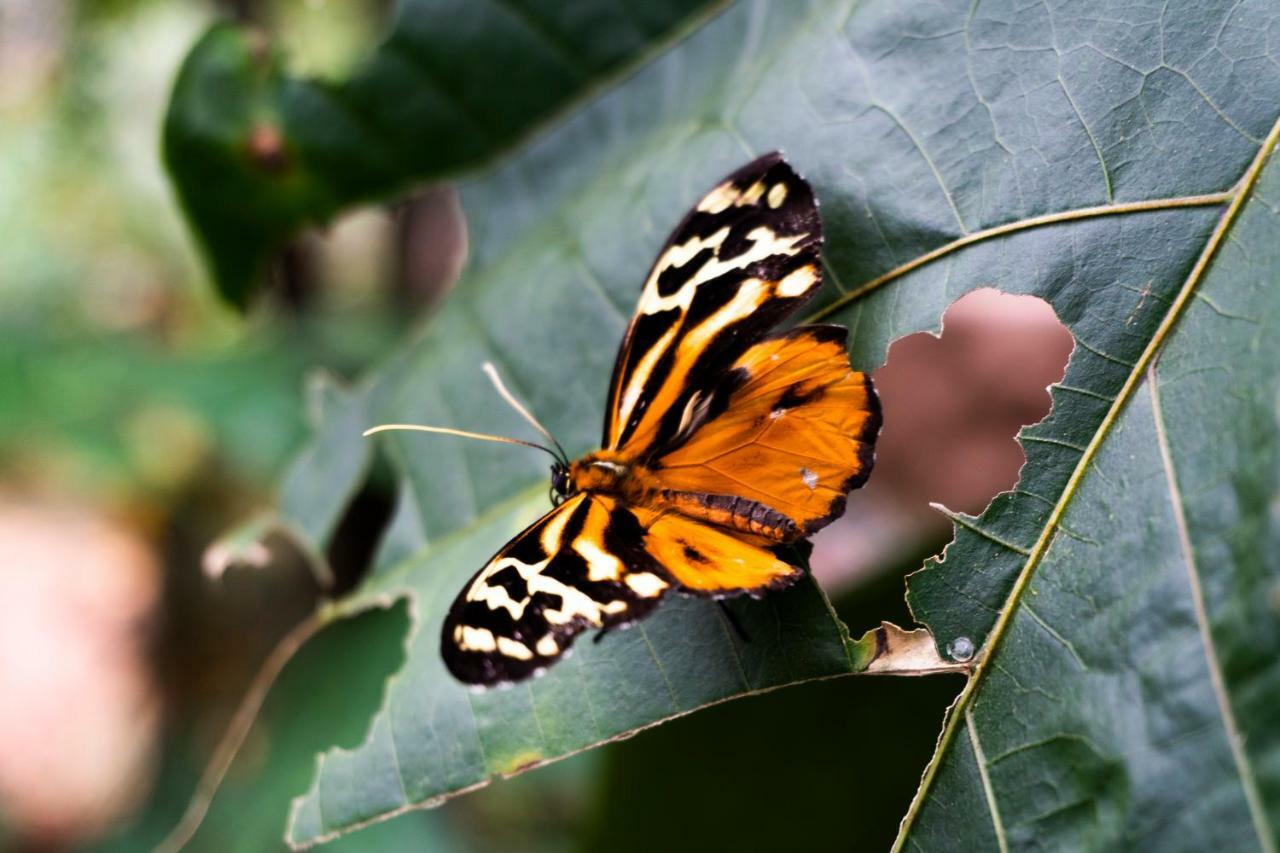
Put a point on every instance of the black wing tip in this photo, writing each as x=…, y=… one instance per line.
x=867, y=437
x=765, y=163
x=823, y=333
x=476, y=670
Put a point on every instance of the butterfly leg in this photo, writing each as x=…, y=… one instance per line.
x=733, y=620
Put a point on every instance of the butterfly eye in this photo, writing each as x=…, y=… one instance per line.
x=560, y=479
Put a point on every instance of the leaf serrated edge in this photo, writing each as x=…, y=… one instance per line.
x=1237, y=195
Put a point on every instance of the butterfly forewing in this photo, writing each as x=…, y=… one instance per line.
x=739, y=263
x=582, y=565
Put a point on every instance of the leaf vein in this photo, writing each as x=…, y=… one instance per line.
x=1048, y=629
x=1075, y=214
x=1235, y=739
x=963, y=521
x=980, y=759
x=671, y=691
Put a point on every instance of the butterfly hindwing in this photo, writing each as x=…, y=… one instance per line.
x=583, y=565
x=741, y=261
x=791, y=429
x=707, y=560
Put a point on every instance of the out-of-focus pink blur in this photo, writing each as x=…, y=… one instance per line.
x=952, y=405
x=78, y=717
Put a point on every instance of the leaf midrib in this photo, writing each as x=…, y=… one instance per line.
x=1237, y=196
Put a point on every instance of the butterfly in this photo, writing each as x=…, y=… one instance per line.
x=724, y=442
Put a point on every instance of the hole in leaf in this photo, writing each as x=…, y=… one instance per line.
x=953, y=404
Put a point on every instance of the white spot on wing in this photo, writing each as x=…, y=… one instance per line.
x=765, y=243
x=575, y=604
x=726, y=195
x=751, y=195
x=798, y=281
x=810, y=478
x=475, y=639
x=601, y=565
x=719, y=199
x=554, y=531
x=777, y=195
x=646, y=584
x=514, y=649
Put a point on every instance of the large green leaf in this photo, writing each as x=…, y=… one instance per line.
x=256, y=153
x=1127, y=695
x=1086, y=155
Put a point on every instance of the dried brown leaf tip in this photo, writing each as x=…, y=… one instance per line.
x=890, y=650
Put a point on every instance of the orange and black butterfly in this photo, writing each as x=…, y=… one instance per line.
x=724, y=442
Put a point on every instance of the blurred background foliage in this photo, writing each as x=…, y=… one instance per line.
x=140, y=417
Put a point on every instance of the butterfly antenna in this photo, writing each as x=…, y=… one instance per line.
x=480, y=436
x=492, y=373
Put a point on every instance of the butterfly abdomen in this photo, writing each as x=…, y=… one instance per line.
x=603, y=472
x=732, y=512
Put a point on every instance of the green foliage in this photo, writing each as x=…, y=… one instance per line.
x=324, y=695
x=132, y=416
x=1130, y=701
x=1121, y=600
x=256, y=153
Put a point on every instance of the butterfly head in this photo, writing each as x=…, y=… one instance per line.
x=561, y=483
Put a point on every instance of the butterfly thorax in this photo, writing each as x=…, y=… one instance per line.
x=607, y=472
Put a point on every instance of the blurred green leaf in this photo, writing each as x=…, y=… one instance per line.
x=1083, y=156
x=255, y=153
x=324, y=693
x=139, y=417
x=126, y=415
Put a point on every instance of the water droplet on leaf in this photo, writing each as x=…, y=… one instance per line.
x=961, y=649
